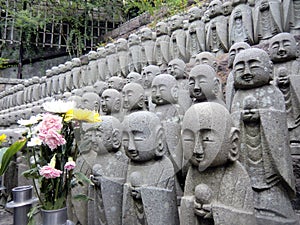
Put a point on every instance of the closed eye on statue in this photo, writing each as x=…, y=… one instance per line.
x=138, y=135
x=207, y=135
x=275, y=45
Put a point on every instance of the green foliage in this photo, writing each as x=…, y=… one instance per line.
x=6, y=154
x=3, y=63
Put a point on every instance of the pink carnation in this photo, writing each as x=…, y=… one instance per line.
x=52, y=139
x=70, y=165
x=49, y=172
x=50, y=122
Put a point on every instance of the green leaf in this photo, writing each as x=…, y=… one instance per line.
x=82, y=197
x=6, y=154
x=81, y=178
x=31, y=173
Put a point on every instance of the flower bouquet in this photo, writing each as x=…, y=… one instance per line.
x=52, y=151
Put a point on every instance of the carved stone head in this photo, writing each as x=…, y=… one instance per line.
x=134, y=77
x=110, y=48
x=90, y=101
x=194, y=13
x=121, y=44
x=252, y=68
x=176, y=22
x=161, y=28
x=116, y=83
x=215, y=8
x=146, y=34
x=101, y=52
x=206, y=58
x=100, y=86
x=148, y=74
x=143, y=136
x=234, y=50
x=164, y=90
x=133, y=39
x=177, y=68
x=111, y=101
x=227, y=8
x=208, y=136
x=133, y=97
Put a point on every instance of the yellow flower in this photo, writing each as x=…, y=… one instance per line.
x=82, y=115
x=2, y=138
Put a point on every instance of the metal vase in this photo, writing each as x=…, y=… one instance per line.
x=55, y=217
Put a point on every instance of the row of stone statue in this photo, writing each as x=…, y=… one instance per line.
x=214, y=27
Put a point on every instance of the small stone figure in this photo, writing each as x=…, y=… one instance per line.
x=196, y=32
x=76, y=73
x=102, y=64
x=267, y=19
x=291, y=16
x=149, y=191
x=134, y=54
x=133, y=98
x=265, y=151
x=112, y=60
x=161, y=48
x=233, y=51
x=109, y=172
x=116, y=83
x=122, y=52
x=90, y=101
x=241, y=23
x=217, y=187
x=207, y=58
x=147, y=46
x=227, y=8
x=111, y=103
x=85, y=75
x=99, y=87
x=217, y=29
x=92, y=67
x=177, y=69
x=69, y=76
x=178, y=39
x=134, y=77
x=204, y=85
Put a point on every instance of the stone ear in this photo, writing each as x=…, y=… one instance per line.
x=97, y=106
x=141, y=101
x=174, y=92
x=216, y=88
x=117, y=105
x=233, y=153
x=160, y=138
x=116, y=137
x=215, y=66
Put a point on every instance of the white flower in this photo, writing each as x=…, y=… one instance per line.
x=35, y=141
x=31, y=121
x=59, y=106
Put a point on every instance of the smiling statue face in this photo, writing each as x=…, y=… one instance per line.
x=140, y=136
x=252, y=68
x=132, y=95
x=205, y=135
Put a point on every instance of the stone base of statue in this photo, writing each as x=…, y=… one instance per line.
x=55, y=217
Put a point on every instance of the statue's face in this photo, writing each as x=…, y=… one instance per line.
x=90, y=101
x=264, y=5
x=134, y=77
x=108, y=101
x=146, y=34
x=115, y=83
x=234, y=50
x=139, y=140
x=110, y=48
x=227, y=8
x=161, y=92
x=194, y=14
x=121, y=44
x=147, y=77
x=131, y=97
x=205, y=58
x=176, y=22
x=251, y=69
x=282, y=48
x=202, y=140
x=98, y=139
x=176, y=69
x=201, y=85
x=250, y=112
x=133, y=39
x=161, y=28
x=215, y=8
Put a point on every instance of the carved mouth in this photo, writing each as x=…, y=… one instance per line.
x=197, y=92
x=198, y=157
x=247, y=77
x=133, y=153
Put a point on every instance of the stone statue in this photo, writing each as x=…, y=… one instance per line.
x=161, y=48
x=147, y=46
x=99, y=87
x=122, y=52
x=178, y=39
x=20, y=94
x=217, y=187
x=148, y=74
x=241, y=23
x=196, y=32
x=134, y=54
x=149, y=191
x=112, y=60
x=233, y=51
x=92, y=67
x=133, y=98
x=109, y=172
x=69, y=76
x=207, y=58
x=227, y=8
x=217, y=29
x=267, y=19
x=291, y=16
x=62, y=78
x=76, y=73
x=85, y=75
x=111, y=103
x=55, y=81
x=204, y=85
x=134, y=77
x=90, y=101
x=265, y=151
x=102, y=64
x=283, y=51
x=116, y=83
x=177, y=69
